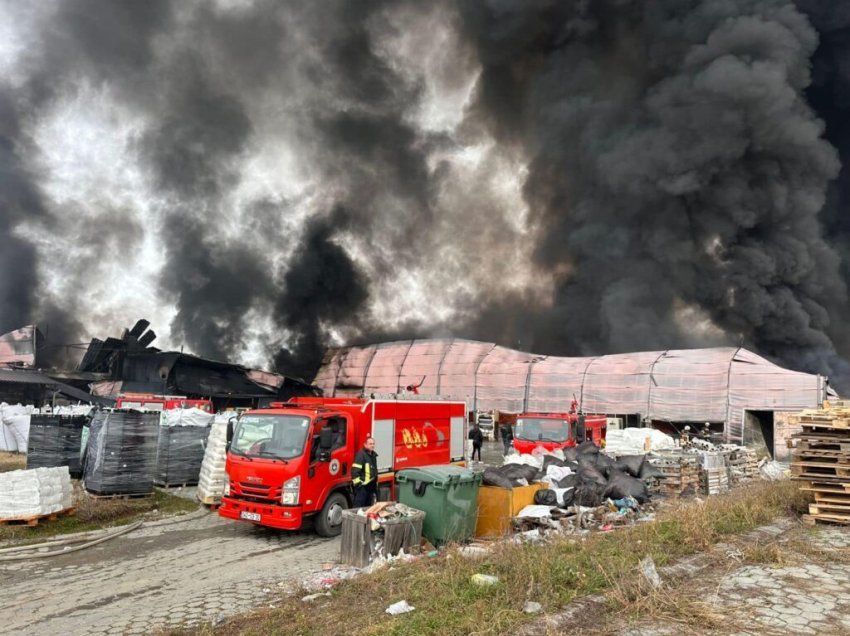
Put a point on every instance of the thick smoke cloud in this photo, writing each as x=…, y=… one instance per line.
x=562, y=177
x=673, y=158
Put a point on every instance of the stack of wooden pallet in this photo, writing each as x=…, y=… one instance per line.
x=820, y=460
x=681, y=471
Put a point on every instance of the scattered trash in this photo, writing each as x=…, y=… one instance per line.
x=484, y=579
x=312, y=597
x=402, y=607
x=473, y=551
x=647, y=568
x=532, y=607
x=773, y=471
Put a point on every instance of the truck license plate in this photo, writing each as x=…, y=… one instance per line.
x=250, y=516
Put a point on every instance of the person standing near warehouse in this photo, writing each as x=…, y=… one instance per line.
x=364, y=474
x=477, y=438
x=507, y=434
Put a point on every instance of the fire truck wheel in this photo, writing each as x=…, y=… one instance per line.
x=329, y=520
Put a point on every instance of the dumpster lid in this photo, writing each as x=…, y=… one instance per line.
x=438, y=474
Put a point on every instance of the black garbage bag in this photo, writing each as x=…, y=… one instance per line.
x=551, y=460
x=590, y=474
x=520, y=471
x=630, y=464
x=621, y=485
x=648, y=471
x=587, y=448
x=604, y=463
x=570, y=454
x=586, y=495
x=569, y=498
x=568, y=482
x=493, y=477
x=546, y=497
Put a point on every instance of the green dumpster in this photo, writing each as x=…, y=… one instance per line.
x=449, y=497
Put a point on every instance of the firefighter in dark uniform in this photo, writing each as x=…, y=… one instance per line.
x=364, y=473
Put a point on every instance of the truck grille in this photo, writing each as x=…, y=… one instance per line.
x=255, y=492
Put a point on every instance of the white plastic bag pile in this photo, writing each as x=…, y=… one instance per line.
x=632, y=441
x=15, y=426
x=211, y=479
x=40, y=491
x=185, y=417
x=74, y=409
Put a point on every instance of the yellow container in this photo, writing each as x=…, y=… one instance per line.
x=497, y=506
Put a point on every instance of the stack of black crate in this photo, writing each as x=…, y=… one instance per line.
x=54, y=440
x=121, y=453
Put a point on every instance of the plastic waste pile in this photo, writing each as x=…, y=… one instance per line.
x=211, y=477
x=36, y=492
x=181, y=446
x=584, y=488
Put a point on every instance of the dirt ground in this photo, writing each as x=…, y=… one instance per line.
x=12, y=461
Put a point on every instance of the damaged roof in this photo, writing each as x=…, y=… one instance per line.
x=694, y=385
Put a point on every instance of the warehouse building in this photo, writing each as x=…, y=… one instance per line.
x=744, y=397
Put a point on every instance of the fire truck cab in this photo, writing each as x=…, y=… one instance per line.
x=557, y=430
x=292, y=462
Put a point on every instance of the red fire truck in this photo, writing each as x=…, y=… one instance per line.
x=292, y=461
x=558, y=430
x=152, y=402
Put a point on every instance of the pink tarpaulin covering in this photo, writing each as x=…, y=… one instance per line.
x=690, y=385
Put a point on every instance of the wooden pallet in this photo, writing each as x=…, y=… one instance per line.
x=818, y=470
x=811, y=520
x=34, y=520
x=836, y=488
x=143, y=495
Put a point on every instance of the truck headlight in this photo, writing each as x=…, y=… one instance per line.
x=291, y=487
x=226, y=485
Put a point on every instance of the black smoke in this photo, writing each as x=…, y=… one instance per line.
x=680, y=155
x=673, y=159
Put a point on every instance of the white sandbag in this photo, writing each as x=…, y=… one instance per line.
x=14, y=433
x=211, y=477
x=39, y=491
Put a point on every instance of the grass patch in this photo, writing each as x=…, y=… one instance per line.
x=553, y=574
x=93, y=514
x=12, y=461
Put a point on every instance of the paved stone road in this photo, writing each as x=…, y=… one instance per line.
x=806, y=598
x=807, y=593
x=179, y=573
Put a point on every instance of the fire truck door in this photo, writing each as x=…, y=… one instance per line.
x=341, y=454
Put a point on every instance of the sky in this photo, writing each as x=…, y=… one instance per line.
x=262, y=180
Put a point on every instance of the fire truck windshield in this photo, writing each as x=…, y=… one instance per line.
x=538, y=429
x=273, y=436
